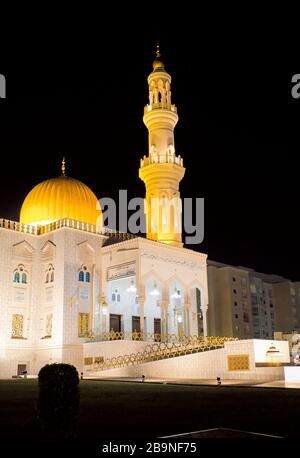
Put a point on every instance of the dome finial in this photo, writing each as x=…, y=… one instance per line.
x=157, y=50
x=158, y=65
x=63, y=167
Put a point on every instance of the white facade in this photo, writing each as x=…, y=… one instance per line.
x=48, y=312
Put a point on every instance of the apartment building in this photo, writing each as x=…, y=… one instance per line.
x=247, y=304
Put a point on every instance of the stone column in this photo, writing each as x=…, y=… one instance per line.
x=142, y=314
x=187, y=318
x=164, y=320
x=204, y=312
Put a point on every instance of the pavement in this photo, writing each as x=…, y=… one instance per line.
x=179, y=381
x=200, y=382
x=222, y=433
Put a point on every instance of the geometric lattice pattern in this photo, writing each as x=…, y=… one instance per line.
x=83, y=324
x=17, y=326
x=238, y=362
x=49, y=325
x=99, y=359
x=161, y=350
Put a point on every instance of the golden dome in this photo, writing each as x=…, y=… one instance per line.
x=59, y=198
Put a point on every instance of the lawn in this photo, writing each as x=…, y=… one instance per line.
x=115, y=409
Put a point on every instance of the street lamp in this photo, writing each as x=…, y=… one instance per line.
x=104, y=305
x=154, y=291
x=132, y=287
x=176, y=294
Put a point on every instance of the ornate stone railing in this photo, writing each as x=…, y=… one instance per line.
x=15, y=226
x=160, y=106
x=146, y=337
x=157, y=351
x=66, y=222
x=161, y=159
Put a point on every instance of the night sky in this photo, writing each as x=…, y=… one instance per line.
x=78, y=89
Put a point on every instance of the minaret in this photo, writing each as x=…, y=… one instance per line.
x=162, y=170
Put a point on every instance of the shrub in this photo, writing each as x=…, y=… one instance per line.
x=58, y=404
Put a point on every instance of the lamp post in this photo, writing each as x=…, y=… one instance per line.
x=179, y=318
x=104, y=310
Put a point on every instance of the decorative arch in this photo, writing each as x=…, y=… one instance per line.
x=20, y=275
x=49, y=276
x=84, y=274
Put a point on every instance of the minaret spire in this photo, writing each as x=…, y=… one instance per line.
x=157, y=50
x=63, y=167
x=162, y=170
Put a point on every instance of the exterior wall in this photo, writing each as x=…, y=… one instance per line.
x=287, y=306
x=229, y=310
x=271, y=303
x=163, y=266
x=206, y=365
x=66, y=250
x=262, y=307
x=112, y=349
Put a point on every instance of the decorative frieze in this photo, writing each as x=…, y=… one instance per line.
x=127, y=269
x=174, y=260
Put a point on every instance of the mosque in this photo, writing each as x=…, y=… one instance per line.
x=72, y=291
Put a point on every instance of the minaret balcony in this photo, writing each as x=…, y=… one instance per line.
x=162, y=159
x=159, y=106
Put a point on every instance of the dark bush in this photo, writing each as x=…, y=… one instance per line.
x=58, y=404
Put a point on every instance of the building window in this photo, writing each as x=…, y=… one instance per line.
x=234, y=291
x=244, y=292
x=50, y=274
x=245, y=305
x=83, y=324
x=20, y=275
x=254, y=300
x=233, y=278
x=17, y=326
x=253, y=288
x=235, y=303
x=84, y=275
x=247, y=329
x=236, y=316
x=49, y=325
x=246, y=317
x=116, y=297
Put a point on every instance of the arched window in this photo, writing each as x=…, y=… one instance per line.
x=84, y=275
x=116, y=297
x=49, y=274
x=20, y=275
